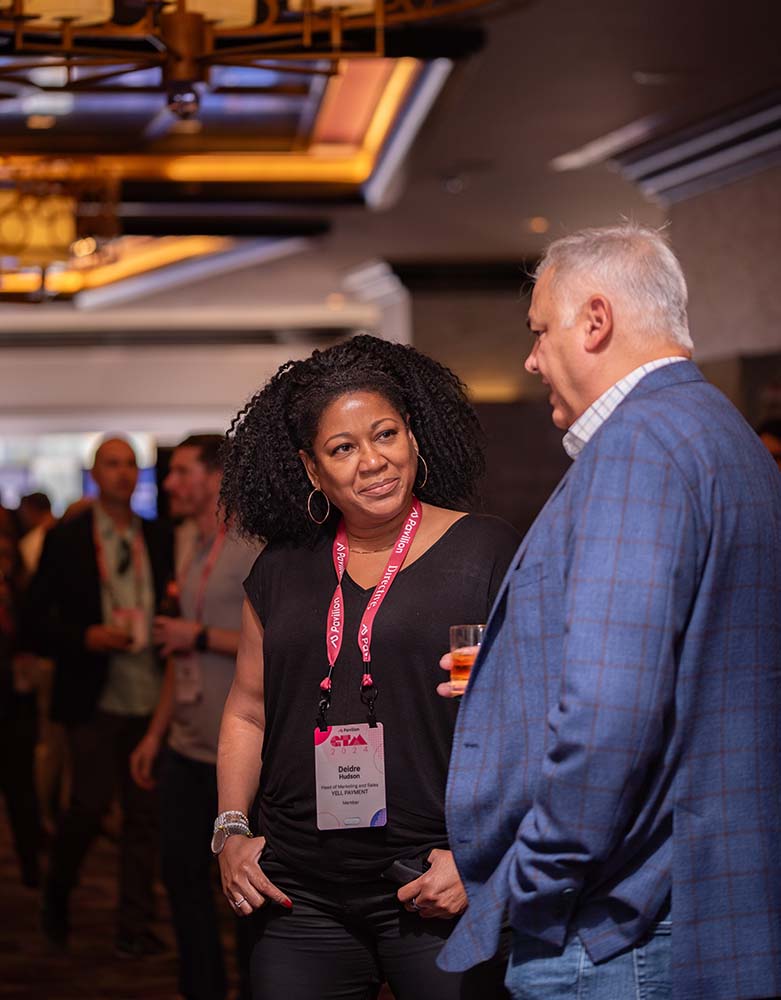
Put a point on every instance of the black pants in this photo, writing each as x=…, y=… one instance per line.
x=99, y=752
x=342, y=940
x=188, y=799
x=18, y=734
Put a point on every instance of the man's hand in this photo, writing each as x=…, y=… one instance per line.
x=142, y=761
x=445, y=689
x=174, y=635
x=243, y=881
x=106, y=639
x=437, y=893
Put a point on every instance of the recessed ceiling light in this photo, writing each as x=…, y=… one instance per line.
x=537, y=224
x=41, y=121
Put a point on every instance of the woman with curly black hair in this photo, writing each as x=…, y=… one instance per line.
x=354, y=465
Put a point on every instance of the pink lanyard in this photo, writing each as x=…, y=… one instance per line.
x=138, y=569
x=335, y=621
x=206, y=572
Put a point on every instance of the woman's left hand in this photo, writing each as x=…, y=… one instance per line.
x=437, y=893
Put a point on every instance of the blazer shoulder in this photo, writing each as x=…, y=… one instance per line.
x=72, y=531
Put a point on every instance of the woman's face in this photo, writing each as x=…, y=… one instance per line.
x=365, y=458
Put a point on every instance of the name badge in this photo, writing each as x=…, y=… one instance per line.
x=187, y=674
x=350, y=777
x=134, y=623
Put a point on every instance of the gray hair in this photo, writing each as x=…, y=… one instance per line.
x=631, y=263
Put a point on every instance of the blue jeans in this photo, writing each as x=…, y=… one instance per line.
x=537, y=971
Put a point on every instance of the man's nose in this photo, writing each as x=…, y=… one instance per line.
x=530, y=364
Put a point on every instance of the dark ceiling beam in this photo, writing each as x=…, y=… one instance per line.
x=175, y=218
x=446, y=276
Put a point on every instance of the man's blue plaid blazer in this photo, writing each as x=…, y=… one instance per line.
x=620, y=742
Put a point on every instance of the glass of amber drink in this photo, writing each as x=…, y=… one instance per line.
x=464, y=643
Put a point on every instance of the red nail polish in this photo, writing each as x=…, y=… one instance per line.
x=287, y=904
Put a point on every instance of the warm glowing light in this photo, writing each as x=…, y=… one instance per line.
x=225, y=13
x=538, y=224
x=344, y=6
x=36, y=229
x=41, y=121
x=142, y=257
x=85, y=247
x=80, y=12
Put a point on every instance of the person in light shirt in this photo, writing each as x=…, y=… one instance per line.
x=614, y=783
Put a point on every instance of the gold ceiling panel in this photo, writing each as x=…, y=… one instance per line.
x=360, y=106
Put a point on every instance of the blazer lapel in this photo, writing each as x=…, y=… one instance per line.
x=497, y=611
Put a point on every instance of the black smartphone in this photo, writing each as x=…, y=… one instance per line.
x=406, y=870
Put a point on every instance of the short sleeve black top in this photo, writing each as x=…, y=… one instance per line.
x=290, y=587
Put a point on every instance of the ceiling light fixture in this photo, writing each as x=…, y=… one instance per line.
x=93, y=43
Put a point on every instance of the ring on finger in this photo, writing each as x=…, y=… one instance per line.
x=237, y=902
x=414, y=903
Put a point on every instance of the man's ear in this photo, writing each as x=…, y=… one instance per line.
x=599, y=323
x=310, y=467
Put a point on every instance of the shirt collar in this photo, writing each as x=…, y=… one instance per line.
x=106, y=527
x=589, y=422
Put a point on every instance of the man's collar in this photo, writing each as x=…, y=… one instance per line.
x=589, y=422
x=105, y=523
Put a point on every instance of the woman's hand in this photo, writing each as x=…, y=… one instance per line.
x=445, y=689
x=437, y=893
x=245, y=886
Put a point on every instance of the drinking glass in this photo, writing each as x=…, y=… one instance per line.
x=464, y=643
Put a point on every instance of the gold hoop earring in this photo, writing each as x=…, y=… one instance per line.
x=425, y=471
x=309, y=507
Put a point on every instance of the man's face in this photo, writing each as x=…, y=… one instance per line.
x=115, y=471
x=554, y=354
x=773, y=445
x=190, y=486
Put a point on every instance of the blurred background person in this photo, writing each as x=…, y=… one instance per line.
x=51, y=769
x=90, y=608
x=18, y=728
x=352, y=463
x=770, y=435
x=200, y=639
x=36, y=518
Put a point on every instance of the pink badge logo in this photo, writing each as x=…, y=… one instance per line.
x=346, y=740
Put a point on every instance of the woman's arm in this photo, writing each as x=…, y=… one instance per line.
x=238, y=771
x=243, y=720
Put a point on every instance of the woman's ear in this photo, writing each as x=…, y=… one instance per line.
x=310, y=468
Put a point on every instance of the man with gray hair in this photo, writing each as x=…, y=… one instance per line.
x=615, y=785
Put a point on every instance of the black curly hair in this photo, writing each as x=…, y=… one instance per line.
x=265, y=486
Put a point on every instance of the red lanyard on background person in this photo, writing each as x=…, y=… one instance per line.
x=137, y=549
x=206, y=572
x=335, y=621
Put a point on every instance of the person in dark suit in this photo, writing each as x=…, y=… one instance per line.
x=90, y=608
x=615, y=783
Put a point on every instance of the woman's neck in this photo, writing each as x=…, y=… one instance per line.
x=366, y=538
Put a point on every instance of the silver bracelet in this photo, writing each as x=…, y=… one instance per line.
x=231, y=816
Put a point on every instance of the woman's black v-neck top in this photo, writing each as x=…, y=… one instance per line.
x=454, y=582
